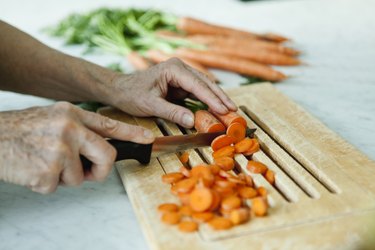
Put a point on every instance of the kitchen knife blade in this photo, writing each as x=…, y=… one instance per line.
x=161, y=145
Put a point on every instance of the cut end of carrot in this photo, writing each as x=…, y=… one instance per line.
x=237, y=131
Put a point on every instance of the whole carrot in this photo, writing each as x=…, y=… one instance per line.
x=138, y=61
x=158, y=56
x=206, y=122
x=232, y=63
x=195, y=26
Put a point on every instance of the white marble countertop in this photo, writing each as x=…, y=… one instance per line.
x=337, y=86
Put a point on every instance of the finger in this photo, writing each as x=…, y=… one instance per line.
x=177, y=73
x=72, y=174
x=99, y=152
x=216, y=89
x=174, y=113
x=46, y=184
x=107, y=127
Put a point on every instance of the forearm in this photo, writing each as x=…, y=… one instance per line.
x=28, y=66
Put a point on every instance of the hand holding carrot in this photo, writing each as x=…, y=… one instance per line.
x=148, y=93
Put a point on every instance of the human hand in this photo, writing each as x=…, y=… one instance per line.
x=40, y=147
x=147, y=93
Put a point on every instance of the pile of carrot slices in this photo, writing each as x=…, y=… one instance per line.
x=215, y=193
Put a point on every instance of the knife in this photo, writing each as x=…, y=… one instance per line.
x=162, y=145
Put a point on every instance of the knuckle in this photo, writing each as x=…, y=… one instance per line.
x=110, y=125
x=64, y=106
x=173, y=114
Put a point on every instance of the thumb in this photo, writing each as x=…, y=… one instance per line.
x=173, y=112
x=107, y=127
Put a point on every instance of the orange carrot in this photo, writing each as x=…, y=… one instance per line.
x=195, y=26
x=202, y=216
x=185, y=210
x=270, y=176
x=206, y=122
x=185, y=186
x=231, y=63
x=167, y=207
x=184, y=158
x=225, y=151
x=201, y=199
x=231, y=117
x=262, y=191
x=158, y=56
x=237, y=131
x=220, y=223
x=188, y=226
x=256, y=167
x=214, y=169
x=216, y=200
x=171, y=218
x=171, y=178
x=253, y=149
x=203, y=173
x=247, y=192
x=184, y=198
x=186, y=172
x=230, y=203
x=225, y=163
x=247, y=179
x=259, y=206
x=243, y=145
x=138, y=61
x=221, y=141
x=239, y=216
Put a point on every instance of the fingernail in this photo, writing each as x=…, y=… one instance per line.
x=148, y=134
x=187, y=120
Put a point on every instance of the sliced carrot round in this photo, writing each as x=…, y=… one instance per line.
x=237, y=131
x=247, y=179
x=184, y=158
x=185, y=210
x=231, y=117
x=225, y=184
x=243, y=145
x=259, y=206
x=247, y=192
x=262, y=191
x=215, y=201
x=167, y=207
x=253, y=149
x=172, y=177
x=224, y=191
x=187, y=226
x=231, y=202
x=256, y=167
x=239, y=216
x=201, y=199
x=186, y=185
x=204, y=173
x=185, y=171
x=220, y=223
x=214, y=169
x=226, y=163
x=171, y=218
x=202, y=216
x=270, y=176
x=184, y=198
x=225, y=151
x=221, y=141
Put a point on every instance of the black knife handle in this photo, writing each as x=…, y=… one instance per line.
x=125, y=150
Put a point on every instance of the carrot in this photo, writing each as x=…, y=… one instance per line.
x=184, y=158
x=186, y=172
x=202, y=216
x=214, y=169
x=221, y=141
x=224, y=191
x=171, y=178
x=201, y=199
x=247, y=179
x=247, y=192
x=231, y=63
x=220, y=223
x=254, y=148
x=230, y=203
x=231, y=117
x=256, y=167
x=237, y=131
x=171, y=218
x=167, y=207
x=195, y=26
x=158, y=56
x=262, y=191
x=270, y=176
x=243, y=145
x=237, y=181
x=259, y=206
x=225, y=163
x=184, y=198
x=185, y=210
x=225, y=151
x=225, y=184
x=185, y=186
x=205, y=122
x=138, y=61
x=203, y=172
x=216, y=200
x=239, y=216
x=188, y=226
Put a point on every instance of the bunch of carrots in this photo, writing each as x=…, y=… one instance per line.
x=214, y=193
x=147, y=37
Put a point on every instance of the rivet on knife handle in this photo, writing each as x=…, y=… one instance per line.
x=125, y=150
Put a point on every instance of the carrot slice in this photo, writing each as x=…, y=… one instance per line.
x=184, y=198
x=259, y=206
x=243, y=145
x=247, y=179
x=201, y=199
x=253, y=149
x=216, y=201
x=239, y=216
x=205, y=122
x=202, y=216
x=184, y=158
x=220, y=223
x=231, y=202
x=237, y=131
x=247, y=192
x=262, y=191
x=231, y=117
x=225, y=151
x=225, y=163
x=256, y=167
x=225, y=184
x=188, y=226
x=225, y=191
x=185, y=210
x=167, y=207
x=171, y=218
x=270, y=176
x=186, y=185
x=215, y=169
x=186, y=172
x=203, y=172
x=171, y=178
x=221, y=141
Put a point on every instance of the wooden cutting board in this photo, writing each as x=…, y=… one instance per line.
x=324, y=196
